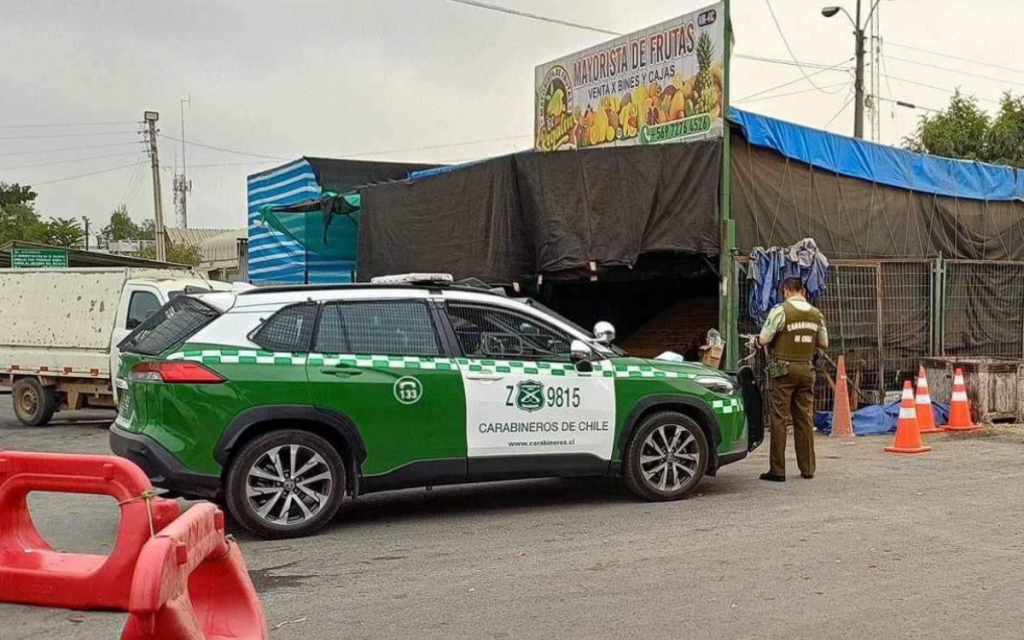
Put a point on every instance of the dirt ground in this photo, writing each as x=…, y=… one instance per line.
x=877, y=546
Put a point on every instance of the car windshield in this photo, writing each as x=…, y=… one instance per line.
x=619, y=351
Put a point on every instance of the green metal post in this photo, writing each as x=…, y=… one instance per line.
x=728, y=310
x=940, y=305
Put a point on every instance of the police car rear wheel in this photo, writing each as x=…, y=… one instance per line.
x=285, y=484
x=666, y=458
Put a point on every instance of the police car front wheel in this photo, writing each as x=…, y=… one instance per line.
x=666, y=458
x=285, y=484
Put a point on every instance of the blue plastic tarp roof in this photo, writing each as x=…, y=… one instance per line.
x=879, y=163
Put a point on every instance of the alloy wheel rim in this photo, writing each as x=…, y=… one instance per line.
x=669, y=458
x=288, y=485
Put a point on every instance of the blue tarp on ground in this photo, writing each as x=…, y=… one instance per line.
x=876, y=420
x=879, y=163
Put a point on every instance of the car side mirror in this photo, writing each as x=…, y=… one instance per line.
x=604, y=332
x=581, y=354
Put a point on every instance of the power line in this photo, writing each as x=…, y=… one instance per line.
x=792, y=82
x=51, y=126
x=964, y=73
x=791, y=63
x=792, y=93
x=84, y=175
x=224, y=149
x=534, y=16
x=838, y=113
x=69, y=161
x=778, y=28
x=438, y=146
x=952, y=57
x=62, y=149
x=69, y=135
x=936, y=88
x=134, y=177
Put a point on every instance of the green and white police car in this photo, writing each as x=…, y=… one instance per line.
x=283, y=401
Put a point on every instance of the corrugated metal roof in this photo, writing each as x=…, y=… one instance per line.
x=191, y=236
x=222, y=248
x=78, y=258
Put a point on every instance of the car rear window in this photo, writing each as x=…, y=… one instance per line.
x=171, y=325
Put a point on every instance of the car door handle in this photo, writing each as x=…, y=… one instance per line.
x=341, y=372
x=486, y=377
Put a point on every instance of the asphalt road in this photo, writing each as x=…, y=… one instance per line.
x=877, y=546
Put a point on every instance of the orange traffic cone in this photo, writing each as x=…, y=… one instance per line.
x=923, y=406
x=908, y=439
x=960, y=410
x=842, y=421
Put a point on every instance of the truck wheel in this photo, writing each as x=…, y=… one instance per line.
x=666, y=458
x=34, y=404
x=285, y=484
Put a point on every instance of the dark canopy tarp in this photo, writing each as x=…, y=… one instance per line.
x=778, y=201
x=345, y=175
x=550, y=214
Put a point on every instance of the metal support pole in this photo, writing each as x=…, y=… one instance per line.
x=151, y=118
x=728, y=309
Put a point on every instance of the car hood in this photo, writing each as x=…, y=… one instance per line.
x=682, y=367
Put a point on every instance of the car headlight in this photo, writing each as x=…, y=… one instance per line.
x=721, y=386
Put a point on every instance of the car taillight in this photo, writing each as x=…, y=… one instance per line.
x=175, y=372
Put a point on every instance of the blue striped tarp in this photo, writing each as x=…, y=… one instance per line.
x=274, y=258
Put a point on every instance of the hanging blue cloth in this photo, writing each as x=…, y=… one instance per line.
x=768, y=268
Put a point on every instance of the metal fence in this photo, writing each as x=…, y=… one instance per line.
x=886, y=316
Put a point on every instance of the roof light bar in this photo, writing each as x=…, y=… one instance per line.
x=410, y=278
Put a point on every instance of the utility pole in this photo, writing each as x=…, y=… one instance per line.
x=181, y=184
x=858, y=34
x=151, y=118
x=85, y=221
x=858, y=100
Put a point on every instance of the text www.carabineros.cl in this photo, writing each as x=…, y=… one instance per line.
x=543, y=443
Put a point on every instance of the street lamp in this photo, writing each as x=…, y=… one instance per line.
x=858, y=34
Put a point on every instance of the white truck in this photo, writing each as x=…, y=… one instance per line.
x=59, y=331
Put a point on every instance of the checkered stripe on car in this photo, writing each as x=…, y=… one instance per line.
x=561, y=369
x=255, y=356
x=481, y=365
x=733, y=405
x=647, y=371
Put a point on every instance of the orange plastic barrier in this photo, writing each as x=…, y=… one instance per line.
x=32, y=572
x=191, y=583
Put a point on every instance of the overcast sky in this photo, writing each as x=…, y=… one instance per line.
x=377, y=78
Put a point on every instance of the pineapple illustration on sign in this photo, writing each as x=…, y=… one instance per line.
x=705, y=93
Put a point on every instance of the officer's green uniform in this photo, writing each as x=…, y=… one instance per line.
x=793, y=330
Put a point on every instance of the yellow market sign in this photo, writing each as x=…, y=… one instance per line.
x=661, y=84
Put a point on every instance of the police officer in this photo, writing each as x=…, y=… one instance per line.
x=793, y=330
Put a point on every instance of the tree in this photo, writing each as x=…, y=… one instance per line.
x=178, y=253
x=963, y=130
x=64, y=232
x=18, y=217
x=148, y=228
x=12, y=194
x=121, y=226
x=19, y=221
x=1006, y=135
